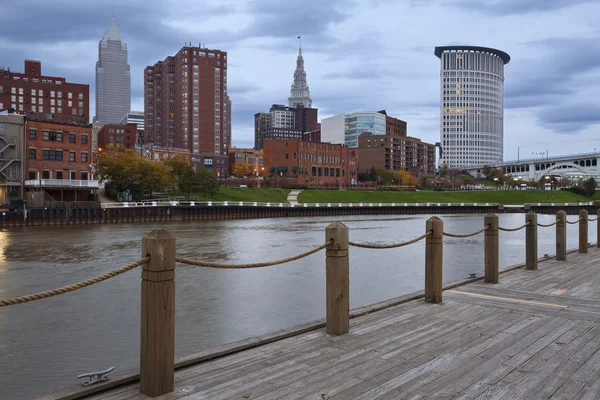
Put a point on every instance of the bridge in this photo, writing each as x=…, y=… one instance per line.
x=583, y=165
x=528, y=331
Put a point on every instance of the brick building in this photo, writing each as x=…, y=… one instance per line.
x=161, y=153
x=31, y=91
x=58, y=159
x=395, y=153
x=315, y=164
x=283, y=122
x=394, y=126
x=11, y=156
x=117, y=136
x=186, y=105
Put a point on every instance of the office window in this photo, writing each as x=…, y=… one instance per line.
x=84, y=157
x=58, y=174
x=52, y=155
x=72, y=156
x=52, y=93
x=84, y=139
x=32, y=154
x=53, y=136
x=70, y=95
x=31, y=175
x=72, y=138
x=45, y=174
x=84, y=176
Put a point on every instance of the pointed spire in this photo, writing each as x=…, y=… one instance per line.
x=112, y=33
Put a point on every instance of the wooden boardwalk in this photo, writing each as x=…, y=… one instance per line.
x=535, y=335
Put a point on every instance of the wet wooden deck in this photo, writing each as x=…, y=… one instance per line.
x=535, y=335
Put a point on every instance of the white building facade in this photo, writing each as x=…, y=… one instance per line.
x=471, y=105
x=300, y=92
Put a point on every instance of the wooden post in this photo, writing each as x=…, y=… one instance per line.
x=433, y=260
x=531, y=243
x=598, y=228
x=337, y=279
x=561, y=236
x=491, y=255
x=157, y=346
x=583, y=231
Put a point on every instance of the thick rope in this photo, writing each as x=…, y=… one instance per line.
x=592, y=219
x=246, y=266
x=465, y=235
x=548, y=225
x=575, y=222
x=514, y=229
x=74, y=286
x=388, y=246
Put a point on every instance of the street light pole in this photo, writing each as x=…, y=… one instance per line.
x=546, y=153
x=518, y=153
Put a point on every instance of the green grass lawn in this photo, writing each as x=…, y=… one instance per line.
x=249, y=194
x=479, y=196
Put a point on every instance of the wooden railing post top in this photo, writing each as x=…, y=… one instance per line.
x=583, y=213
x=561, y=215
x=160, y=246
x=336, y=234
x=531, y=217
x=492, y=221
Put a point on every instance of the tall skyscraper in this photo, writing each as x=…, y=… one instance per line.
x=113, y=77
x=186, y=105
x=471, y=105
x=300, y=93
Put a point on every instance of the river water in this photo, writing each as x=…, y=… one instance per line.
x=45, y=344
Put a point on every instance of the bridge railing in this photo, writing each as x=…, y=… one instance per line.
x=157, y=336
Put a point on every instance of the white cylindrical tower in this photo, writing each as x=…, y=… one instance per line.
x=471, y=105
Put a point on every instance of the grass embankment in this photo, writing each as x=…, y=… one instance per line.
x=479, y=196
x=249, y=194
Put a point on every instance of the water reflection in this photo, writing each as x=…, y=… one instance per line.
x=45, y=344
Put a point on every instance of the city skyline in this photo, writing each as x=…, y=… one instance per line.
x=354, y=65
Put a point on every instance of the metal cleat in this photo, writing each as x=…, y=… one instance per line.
x=96, y=377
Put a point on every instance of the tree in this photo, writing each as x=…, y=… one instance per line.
x=372, y=174
x=242, y=169
x=206, y=182
x=384, y=177
x=564, y=182
x=120, y=167
x=444, y=171
x=154, y=175
x=406, y=178
x=590, y=187
x=179, y=166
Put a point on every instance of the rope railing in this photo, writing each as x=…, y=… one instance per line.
x=592, y=219
x=389, y=246
x=514, y=229
x=466, y=235
x=547, y=225
x=574, y=222
x=207, y=264
x=74, y=286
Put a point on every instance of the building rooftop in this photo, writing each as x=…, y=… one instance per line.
x=112, y=33
x=504, y=56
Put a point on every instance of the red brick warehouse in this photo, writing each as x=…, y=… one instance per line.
x=293, y=161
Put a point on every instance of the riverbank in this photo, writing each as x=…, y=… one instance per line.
x=478, y=196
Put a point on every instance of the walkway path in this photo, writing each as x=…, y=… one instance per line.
x=535, y=335
x=293, y=197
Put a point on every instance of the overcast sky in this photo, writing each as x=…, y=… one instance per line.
x=362, y=55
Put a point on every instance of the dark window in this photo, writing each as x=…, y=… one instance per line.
x=45, y=174
x=331, y=171
x=31, y=174
x=84, y=139
x=314, y=171
x=32, y=154
x=320, y=171
x=84, y=157
x=326, y=171
x=337, y=172
x=72, y=156
x=33, y=134
x=72, y=138
x=59, y=174
x=84, y=176
x=53, y=136
x=52, y=155
x=287, y=156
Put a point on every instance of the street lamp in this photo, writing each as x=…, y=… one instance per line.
x=546, y=153
x=518, y=152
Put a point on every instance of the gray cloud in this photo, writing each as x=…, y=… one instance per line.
x=514, y=7
x=571, y=118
